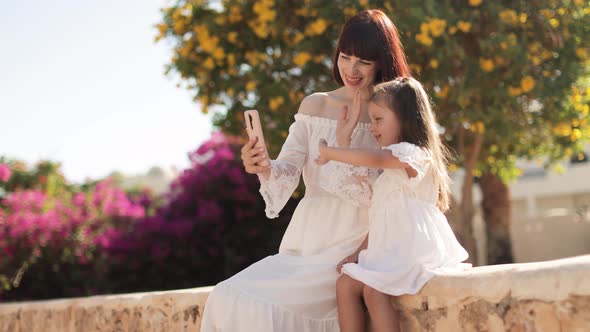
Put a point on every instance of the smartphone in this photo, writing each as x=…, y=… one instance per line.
x=254, y=129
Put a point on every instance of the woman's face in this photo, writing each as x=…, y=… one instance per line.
x=356, y=73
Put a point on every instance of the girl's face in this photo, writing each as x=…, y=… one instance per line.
x=385, y=125
x=356, y=73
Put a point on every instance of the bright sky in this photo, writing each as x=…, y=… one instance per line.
x=82, y=83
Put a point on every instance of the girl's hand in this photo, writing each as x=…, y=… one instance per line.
x=354, y=258
x=252, y=156
x=322, y=159
x=348, y=120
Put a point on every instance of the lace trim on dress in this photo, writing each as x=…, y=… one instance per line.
x=349, y=183
x=412, y=155
x=283, y=178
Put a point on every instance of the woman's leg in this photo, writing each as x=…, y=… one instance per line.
x=351, y=314
x=383, y=316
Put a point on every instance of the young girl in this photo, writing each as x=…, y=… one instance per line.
x=409, y=238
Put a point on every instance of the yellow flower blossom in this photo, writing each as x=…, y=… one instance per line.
x=232, y=37
x=547, y=13
x=478, y=127
x=527, y=84
x=162, y=29
x=554, y=22
x=349, y=11
x=437, y=26
x=474, y=3
x=486, y=64
x=514, y=91
x=424, y=39
x=218, y=54
x=318, y=58
x=364, y=3
x=443, y=92
x=317, y=27
x=581, y=53
x=260, y=28
x=452, y=168
x=452, y=30
x=508, y=16
x=235, y=14
x=250, y=86
x=500, y=61
x=434, y=63
x=562, y=129
x=231, y=60
x=535, y=59
x=220, y=20
x=464, y=26
x=301, y=59
x=297, y=38
x=252, y=58
x=305, y=11
x=186, y=49
x=576, y=135
x=264, y=10
x=209, y=64
x=535, y=47
x=179, y=27
x=522, y=17
x=545, y=55
x=275, y=103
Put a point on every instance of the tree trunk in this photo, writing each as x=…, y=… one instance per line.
x=461, y=221
x=496, y=210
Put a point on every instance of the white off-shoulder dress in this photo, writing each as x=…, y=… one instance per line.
x=410, y=240
x=295, y=290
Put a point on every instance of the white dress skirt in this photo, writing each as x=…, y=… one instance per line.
x=410, y=240
x=295, y=290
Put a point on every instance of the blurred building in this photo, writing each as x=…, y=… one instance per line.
x=550, y=211
x=156, y=178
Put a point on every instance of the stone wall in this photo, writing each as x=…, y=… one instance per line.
x=544, y=296
x=178, y=310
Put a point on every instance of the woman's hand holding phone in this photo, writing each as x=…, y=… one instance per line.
x=254, y=153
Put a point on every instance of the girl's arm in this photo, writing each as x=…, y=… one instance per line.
x=359, y=157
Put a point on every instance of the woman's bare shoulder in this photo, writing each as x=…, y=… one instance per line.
x=319, y=103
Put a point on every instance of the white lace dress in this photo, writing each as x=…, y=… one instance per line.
x=410, y=240
x=295, y=290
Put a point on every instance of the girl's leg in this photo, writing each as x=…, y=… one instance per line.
x=351, y=314
x=383, y=316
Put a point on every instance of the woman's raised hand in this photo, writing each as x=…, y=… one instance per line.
x=348, y=120
x=251, y=158
x=322, y=159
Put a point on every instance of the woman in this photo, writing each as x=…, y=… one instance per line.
x=295, y=290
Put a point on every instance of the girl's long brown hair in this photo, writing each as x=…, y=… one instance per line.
x=406, y=97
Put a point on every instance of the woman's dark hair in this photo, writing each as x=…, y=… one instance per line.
x=406, y=97
x=371, y=35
